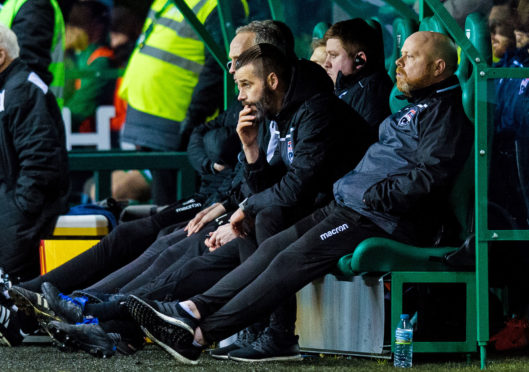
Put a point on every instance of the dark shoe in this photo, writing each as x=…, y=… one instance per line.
x=244, y=339
x=128, y=346
x=88, y=337
x=168, y=325
x=70, y=309
x=269, y=348
x=93, y=298
x=33, y=304
x=10, y=332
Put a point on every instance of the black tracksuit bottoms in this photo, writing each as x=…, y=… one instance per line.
x=136, y=243
x=280, y=267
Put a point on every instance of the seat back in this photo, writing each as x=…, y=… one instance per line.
x=432, y=24
x=318, y=32
x=402, y=28
x=477, y=31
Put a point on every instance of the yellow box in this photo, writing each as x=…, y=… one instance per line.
x=72, y=236
x=54, y=253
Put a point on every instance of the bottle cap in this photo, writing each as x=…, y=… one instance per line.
x=405, y=316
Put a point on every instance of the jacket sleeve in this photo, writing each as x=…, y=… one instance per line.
x=442, y=150
x=299, y=183
x=224, y=125
x=40, y=148
x=34, y=26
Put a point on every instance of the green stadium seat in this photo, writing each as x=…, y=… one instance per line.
x=402, y=28
x=477, y=31
x=412, y=264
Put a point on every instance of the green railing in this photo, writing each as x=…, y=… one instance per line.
x=102, y=163
x=483, y=125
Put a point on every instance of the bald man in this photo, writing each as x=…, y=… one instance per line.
x=398, y=190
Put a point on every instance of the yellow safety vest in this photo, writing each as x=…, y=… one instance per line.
x=163, y=69
x=56, y=67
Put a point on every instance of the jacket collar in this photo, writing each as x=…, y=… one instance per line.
x=347, y=81
x=448, y=84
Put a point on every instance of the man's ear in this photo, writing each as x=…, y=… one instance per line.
x=272, y=81
x=440, y=67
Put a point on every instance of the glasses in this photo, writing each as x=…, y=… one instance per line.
x=229, y=64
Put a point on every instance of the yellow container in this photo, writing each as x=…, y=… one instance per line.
x=72, y=236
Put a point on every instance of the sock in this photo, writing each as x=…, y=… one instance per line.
x=107, y=310
x=187, y=309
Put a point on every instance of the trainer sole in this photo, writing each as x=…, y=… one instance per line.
x=4, y=341
x=67, y=342
x=142, y=312
x=292, y=358
x=170, y=350
x=27, y=306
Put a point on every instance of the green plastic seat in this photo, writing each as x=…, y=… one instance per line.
x=477, y=31
x=412, y=264
x=402, y=28
x=318, y=32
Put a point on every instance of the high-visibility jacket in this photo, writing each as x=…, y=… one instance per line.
x=164, y=67
x=8, y=14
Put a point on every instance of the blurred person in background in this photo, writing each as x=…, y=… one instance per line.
x=88, y=50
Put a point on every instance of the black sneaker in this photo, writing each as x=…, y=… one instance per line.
x=268, y=348
x=168, y=325
x=88, y=337
x=33, y=304
x=244, y=339
x=10, y=332
x=93, y=298
x=70, y=309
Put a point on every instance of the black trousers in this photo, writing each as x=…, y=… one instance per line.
x=280, y=267
x=121, y=246
x=183, y=279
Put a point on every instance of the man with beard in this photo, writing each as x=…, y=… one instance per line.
x=312, y=145
x=399, y=190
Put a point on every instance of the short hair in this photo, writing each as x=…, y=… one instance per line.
x=271, y=60
x=8, y=42
x=271, y=32
x=316, y=43
x=357, y=35
x=522, y=20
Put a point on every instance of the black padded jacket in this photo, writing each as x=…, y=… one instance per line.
x=34, y=183
x=322, y=138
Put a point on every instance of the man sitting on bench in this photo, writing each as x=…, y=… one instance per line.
x=399, y=190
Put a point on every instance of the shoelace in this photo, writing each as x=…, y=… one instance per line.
x=263, y=341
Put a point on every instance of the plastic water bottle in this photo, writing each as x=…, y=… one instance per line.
x=403, y=343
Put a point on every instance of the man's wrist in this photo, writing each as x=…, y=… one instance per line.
x=243, y=205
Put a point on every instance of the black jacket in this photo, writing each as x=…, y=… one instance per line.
x=403, y=181
x=33, y=164
x=34, y=25
x=368, y=93
x=216, y=142
x=323, y=138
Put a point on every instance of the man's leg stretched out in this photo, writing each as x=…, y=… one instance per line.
x=305, y=251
